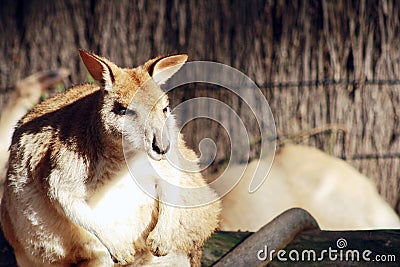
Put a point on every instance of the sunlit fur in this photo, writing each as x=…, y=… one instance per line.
x=335, y=193
x=69, y=196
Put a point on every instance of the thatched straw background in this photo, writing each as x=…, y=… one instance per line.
x=316, y=61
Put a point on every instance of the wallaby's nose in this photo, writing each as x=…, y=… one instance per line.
x=160, y=148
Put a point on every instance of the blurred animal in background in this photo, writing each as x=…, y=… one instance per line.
x=25, y=94
x=70, y=199
x=335, y=193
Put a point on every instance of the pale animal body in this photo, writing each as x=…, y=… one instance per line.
x=332, y=191
x=70, y=199
x=21, y=99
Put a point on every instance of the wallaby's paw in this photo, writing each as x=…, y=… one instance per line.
x=121, y=256
x=122, y=250
x=157, y=246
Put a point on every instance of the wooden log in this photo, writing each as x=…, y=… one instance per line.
x=220, y=244
x=332, y=248
x=381, y=243
x=342, y=248
x=274, y=235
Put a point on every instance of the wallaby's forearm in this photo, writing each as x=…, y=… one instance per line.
x=81, y=214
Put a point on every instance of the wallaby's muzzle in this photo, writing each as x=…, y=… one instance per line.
x=158, y=143
x=161, y=148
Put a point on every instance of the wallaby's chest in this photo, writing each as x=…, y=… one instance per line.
x=122, y=203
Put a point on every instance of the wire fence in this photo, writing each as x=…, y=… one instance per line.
x=387, y=84
x=352, y=82
x=355, y=120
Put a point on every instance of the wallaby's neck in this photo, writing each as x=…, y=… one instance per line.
x=108, y=145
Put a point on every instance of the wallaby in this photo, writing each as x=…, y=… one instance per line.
x=69, y=198
x=334, y=192
x=25, y=94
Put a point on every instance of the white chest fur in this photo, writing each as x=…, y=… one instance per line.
x=122, y=204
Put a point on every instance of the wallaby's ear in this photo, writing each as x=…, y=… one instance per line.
x=162, y=69
x=101, y=69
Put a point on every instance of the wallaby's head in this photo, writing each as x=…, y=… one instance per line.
x=133, y=104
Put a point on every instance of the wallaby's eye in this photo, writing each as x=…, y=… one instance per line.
x=166, y=110
x=119, y=109
x=130, y=112
x=122, y=111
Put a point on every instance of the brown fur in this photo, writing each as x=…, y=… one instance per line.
x=70, y=199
